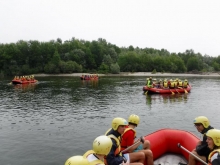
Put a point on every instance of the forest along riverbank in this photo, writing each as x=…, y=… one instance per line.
x=208, y=74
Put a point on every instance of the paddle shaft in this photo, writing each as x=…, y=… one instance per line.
x=192, y=154
x=137, y=142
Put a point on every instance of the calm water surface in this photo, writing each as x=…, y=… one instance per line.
x=46, y=123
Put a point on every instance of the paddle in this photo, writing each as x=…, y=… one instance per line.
x=172, y=92
x=137, y=142
x=183, y=88
x=185, y=91
x=146, y=93
x=191, y=154
x=177, y=91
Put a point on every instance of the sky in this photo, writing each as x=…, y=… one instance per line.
x=174, y=25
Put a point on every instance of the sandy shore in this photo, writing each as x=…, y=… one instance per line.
x=147, y=74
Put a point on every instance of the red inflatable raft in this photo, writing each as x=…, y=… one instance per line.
x=18, y=81
x=164, y=145
x=166, y=90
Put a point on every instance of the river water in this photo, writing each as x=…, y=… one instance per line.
x=46, y=123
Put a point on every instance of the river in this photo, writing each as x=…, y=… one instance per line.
x=46, y=123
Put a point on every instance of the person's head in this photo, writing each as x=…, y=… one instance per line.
x=133, y=120
x=213, y=139
x=185, y=80
x=201, y=122
x=102, y=145
x=118, y=124
x=150, y=78
x=77, y=160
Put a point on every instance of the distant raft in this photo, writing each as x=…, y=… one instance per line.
x=155, y=90
x=89, y=77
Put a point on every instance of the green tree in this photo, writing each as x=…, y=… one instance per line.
x=115, y=68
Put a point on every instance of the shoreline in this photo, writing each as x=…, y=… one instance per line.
x=149, y=74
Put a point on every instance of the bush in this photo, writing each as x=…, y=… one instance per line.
x=154, y=71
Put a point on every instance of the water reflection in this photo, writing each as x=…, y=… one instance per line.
x=93, y=83
x=166, y=98
x=24, y=87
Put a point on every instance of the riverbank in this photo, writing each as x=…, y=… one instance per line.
x=145, y=74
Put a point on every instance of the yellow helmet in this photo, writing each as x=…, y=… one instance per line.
x=118, y=121
x=185, y=80
x=77, y=160
x=102, y=145
x=202, y=119
x=134, y=119
x=215, y=135
x=147, y=79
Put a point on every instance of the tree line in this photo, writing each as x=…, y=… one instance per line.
x=75, y=56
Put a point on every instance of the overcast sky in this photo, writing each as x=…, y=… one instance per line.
x=175, y=25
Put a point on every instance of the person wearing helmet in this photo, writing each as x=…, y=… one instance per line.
x=202, y=151
x=128, y=140
x=172, y=84
x=180, y=83
x=150, y=83
x=165, y=83
x=115, y=156
x=77, y=160
x=213, y=140
x=147, y=79
x=101, y=147
x=185, y=83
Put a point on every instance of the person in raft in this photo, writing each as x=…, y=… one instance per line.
x=128, y=140
x=115, y=156
x=202, y=151
x=213, y=140
x=101, y=147
x=77, y=160
x=150, y=83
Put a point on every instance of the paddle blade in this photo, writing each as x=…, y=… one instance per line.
x=185, y=91
x=146, y=93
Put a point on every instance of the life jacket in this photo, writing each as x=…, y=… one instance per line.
x=172, y=84
x=118, y=142
x=175, y=83
x=211, y=154
x=165, y=84
x=94, y=162
x=149, y=83
x=180, y=83
x=123, y=143
x=185, y=84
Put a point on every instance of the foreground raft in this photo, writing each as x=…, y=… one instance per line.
x=166, y=90
x=164, y=145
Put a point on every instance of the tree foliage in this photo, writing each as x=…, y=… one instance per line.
x=71, y=56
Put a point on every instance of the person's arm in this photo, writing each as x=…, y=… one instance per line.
x=111, y=158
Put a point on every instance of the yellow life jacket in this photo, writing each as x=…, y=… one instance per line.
x=185, y=84
x=172, y=84
x=165, y=84
x=180, y=83
x=175, y=83
x=118, y=149
x=211, y=154
x=94, y=162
